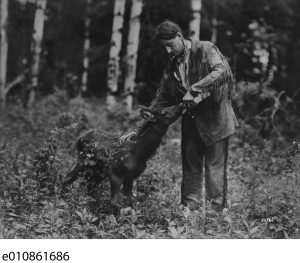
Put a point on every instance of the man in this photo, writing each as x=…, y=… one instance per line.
x=199, y=75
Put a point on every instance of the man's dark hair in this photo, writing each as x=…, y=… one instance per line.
x=166, y=30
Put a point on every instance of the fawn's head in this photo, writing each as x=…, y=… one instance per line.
x=162, y=116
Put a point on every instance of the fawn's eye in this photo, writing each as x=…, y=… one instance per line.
x=164, y=113
x=147, y=115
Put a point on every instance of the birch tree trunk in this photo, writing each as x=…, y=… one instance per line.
x=113, y=71
x=214, y=33
x=132, y=50
x=196, y=6
x=86, y=48
x=36, y=47
x=3, y=50
x=214, y=22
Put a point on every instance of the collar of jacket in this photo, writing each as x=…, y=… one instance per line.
x=173, y=62
x=195, y=44
x=193, y=49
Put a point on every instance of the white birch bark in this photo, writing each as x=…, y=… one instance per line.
x=86, y=48
x=196, y=6
x=214, y=21
x=132, y=50
x=3, y=49
x=214, y=33
x=36, y=47
x=113, y=71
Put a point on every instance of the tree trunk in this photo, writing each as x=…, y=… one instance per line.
x=36, y=47
x=196, y=6
x=86, y=48
x=271, y=68
x=132, y=49
x=214, y=22
x=114, y=58
x=214, y=32
x=3, y=50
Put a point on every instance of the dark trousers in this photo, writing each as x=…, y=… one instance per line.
x=195, y=157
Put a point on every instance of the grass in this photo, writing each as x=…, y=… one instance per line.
x=37, y=150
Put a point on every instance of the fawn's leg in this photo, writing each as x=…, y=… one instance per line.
x=71, y=177
x=115, y=186
x=127, y=190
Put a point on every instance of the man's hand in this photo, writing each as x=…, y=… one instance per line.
x=127, y=136
x=201, y=96
x=188, y=100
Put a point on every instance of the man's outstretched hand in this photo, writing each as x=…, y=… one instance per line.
x=191, y=101
x=201, y=96
x=188, y=101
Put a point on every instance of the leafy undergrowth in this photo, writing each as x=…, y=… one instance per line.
x=37, y=150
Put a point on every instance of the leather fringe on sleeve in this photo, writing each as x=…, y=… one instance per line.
x=221, y=87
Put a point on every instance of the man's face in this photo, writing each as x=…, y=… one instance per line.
x=173, y=46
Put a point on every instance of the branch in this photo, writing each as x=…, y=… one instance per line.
x=15, y=82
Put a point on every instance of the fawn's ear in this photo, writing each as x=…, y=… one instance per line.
x=146, y=113
x=143, y=108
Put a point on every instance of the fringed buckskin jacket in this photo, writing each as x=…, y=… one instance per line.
x=214, y=116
